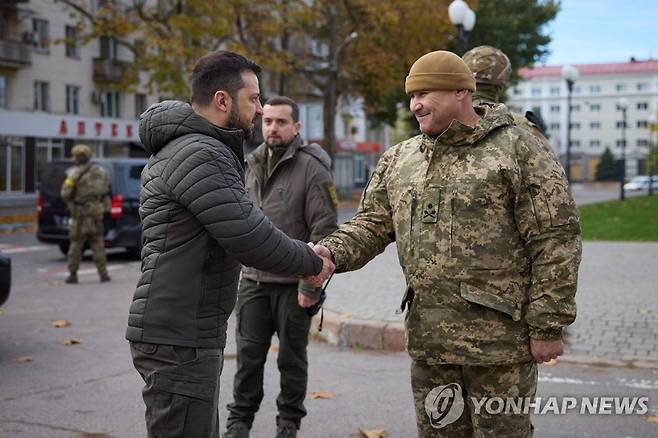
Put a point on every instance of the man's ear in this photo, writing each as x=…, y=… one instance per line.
x=222, y=101
x=461, y=94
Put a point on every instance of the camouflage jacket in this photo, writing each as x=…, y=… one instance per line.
x=85, y=190
x=487, y=234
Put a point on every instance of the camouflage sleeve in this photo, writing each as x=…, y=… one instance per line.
x=548, y=221
x=66, y=192
x=368, y=233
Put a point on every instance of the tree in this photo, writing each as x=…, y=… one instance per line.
x=607, y=169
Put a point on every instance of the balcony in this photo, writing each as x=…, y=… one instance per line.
x=109, y=70
x=14, y=54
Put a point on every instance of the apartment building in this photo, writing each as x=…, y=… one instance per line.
x=596, y=120
x=54, y=95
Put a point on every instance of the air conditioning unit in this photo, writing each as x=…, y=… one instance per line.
x=96, y=97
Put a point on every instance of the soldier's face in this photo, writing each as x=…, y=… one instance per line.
x=434, y=110
x=278, y=126
x=245, y=105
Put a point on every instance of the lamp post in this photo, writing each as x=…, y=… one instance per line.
x=569, y=74
x=464, y=18
x=622, y=105
x=652, y=144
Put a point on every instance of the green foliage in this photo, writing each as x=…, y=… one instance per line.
x=635, y=219
x=607, y=169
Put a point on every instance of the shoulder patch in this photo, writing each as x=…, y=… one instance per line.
x=331, y=194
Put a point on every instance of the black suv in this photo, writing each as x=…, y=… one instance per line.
x=121, y=224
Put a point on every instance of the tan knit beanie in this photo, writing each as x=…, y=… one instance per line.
x=440, y=70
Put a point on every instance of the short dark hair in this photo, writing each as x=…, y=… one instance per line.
x=285, y=100
x=219, y=70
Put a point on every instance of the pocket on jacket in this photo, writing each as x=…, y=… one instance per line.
x=491, y=300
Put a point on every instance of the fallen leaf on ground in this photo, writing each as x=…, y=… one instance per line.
x=61, y=323
x=345, y=315
x=55, y=283
x=274, y=349
x=320, y=394
x=72, y=341
x=2, y=311
x=24, y=359
x=375, y=433
x=651, y=418
x=551, y=362
x=644, y=312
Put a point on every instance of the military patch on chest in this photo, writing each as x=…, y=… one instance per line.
x=430, y=213
x=331, y=193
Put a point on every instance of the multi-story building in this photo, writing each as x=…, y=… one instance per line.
x=56, y=94
x=596, y=120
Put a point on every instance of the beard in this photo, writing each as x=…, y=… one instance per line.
x=235, y=122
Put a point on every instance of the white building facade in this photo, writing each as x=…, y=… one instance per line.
x=596, y=120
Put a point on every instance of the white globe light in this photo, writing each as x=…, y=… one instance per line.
x=622, y=103
x=569, y=72
x=457, y=12
x=469, y=20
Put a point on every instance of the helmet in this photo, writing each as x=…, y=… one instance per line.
x=489, y=65
x=81, y=150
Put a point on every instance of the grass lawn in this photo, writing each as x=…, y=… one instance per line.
x=635, y=219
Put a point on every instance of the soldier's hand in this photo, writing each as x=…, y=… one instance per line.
x=544, y=351
x=322, y=251
x=328, y=268
x=305, y=301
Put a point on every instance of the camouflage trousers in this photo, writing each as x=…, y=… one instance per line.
x=83, y=229
x=438, y=409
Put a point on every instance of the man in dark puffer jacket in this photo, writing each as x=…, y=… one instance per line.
x=198, y=226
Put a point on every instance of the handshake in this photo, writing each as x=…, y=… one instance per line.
x=328, y=266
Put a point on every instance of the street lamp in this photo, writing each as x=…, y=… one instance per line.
x=464, y=18
x=652, y=144
x=569, y=74
x=622, y=105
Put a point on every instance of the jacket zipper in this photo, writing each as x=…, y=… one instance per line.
x=414, y=201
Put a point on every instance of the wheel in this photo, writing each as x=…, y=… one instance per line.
x=64, y=248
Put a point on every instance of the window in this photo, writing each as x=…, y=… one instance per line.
x=40, y=29
x=41, y=96
x=555, y=126
x=47, y=150
x=555, y=91
x=595, y=89
x=11, y=164
x=575, y=108
x=595, y=107
x=643, y=142
x=642, y=86
x=642, y=124
x=3, y=92
x=576, y=90
x=575, y=125
x=72, y=99
x=621, y=87
x=535, y=92
x=140, y=104
x=595, y=125
x=621, y=143
x=110, y=102
x=575, y=143
x=555, y=108
x=642, y=105
x=595, y=143
x=109, y=48
x=518, y=92
x=620, y=124
x=72, y=42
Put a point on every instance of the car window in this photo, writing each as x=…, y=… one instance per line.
x=132, y=180
x=53, y=177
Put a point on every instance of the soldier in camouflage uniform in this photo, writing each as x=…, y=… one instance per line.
x=85, y=191
x=488, y=238
x=492, y=71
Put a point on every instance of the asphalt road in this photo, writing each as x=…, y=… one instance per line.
x=91, y=390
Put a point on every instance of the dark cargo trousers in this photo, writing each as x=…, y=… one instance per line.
x=261, y=310
x=436, y=419
x=182, y=389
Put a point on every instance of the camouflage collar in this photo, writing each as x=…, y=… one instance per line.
x=492, y=116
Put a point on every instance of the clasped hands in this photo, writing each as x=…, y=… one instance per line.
x=328, y=266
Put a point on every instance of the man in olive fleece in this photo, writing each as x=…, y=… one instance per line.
x=199, y=225
x=488, y=237
x=292, y=184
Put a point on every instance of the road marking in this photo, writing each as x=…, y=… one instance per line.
x=619, y=381
x=10, y=249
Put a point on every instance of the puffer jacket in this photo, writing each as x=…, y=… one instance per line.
x=198, y=226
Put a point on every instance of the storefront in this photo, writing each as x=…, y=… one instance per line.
x=28, y=141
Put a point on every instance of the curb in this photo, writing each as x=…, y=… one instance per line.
x=341, y=330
